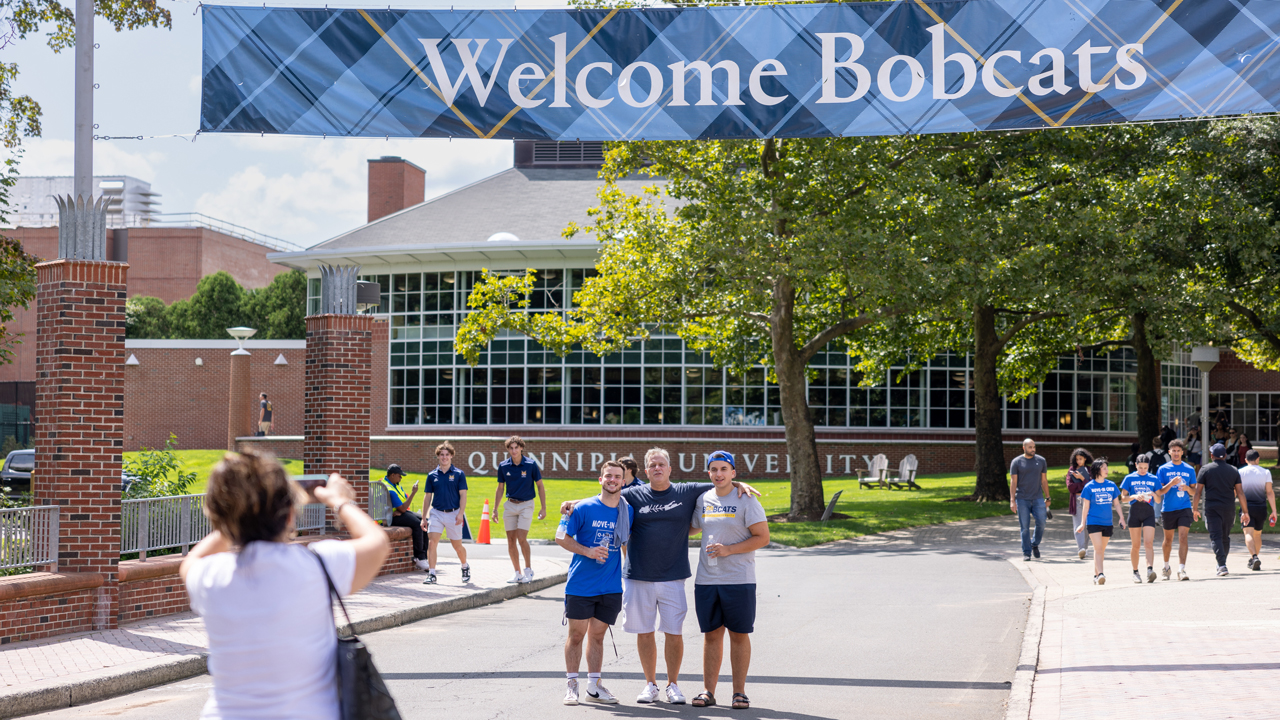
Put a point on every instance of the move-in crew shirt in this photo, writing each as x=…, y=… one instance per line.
x=1138, y=483
x=592, y=524
x=1100, y=494
x=1178, y=498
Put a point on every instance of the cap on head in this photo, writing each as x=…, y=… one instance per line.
x=394, y=469
x=1218, y=450
x=721, y=455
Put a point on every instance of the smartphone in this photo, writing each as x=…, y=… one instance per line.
x=311, y=483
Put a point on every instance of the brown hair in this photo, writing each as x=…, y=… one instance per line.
x=516, y=439
x=612, y=463
x=1177, y=443
x=446, y=445
x=629, y=463
x=250, y=498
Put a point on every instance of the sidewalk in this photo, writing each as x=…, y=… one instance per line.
x=75, y=669
x=1206, y=648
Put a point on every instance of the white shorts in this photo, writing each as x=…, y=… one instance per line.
x=518, y=515
x=446, y=523
x=643, y=603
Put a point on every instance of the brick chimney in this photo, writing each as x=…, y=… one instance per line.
x=394, y=184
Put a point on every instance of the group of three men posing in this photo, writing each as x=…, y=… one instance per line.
x=652, y=523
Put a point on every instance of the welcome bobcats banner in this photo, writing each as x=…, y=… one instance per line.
x=813, y=70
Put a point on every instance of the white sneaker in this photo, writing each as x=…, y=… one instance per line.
x=648, y=694
x=422, y=564
x=1182, y=575
x=1166, y=572
x=571, y=693
x=601, y=695
x=528, y=574
x=1081, y=554
x=674, y=696
x=517, y=578
x=1222, y=571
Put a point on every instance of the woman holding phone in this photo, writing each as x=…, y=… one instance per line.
x=1077, y=476
x=1099, y=498
x=264, y=600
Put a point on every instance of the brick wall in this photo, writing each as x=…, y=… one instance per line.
x=167, y=392
x=337, y=392
x=80, y=411
x=144, y=599
x=394, y=184
x=38, y=605
x=1235, y=375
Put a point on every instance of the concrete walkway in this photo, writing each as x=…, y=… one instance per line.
x=75, y=669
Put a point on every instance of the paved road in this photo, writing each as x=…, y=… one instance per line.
x=925, y=623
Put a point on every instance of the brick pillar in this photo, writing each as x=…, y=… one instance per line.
x=241, y=418
x=80, y=414
x=336, y=402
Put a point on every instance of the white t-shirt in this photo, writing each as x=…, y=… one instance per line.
x=272, y=642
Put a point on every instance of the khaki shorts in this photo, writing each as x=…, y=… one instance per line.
x=264, y=427
x=445, y=523
x=518, y=515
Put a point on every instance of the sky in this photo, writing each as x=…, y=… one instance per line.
x=303, y=190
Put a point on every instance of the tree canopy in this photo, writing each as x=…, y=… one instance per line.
x=277, y=311
x=17, y=268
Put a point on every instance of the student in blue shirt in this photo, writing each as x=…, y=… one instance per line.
x=445, y=495
x=593, y=593
x=1099, y=497
x=519, y=476
x=1138, y=491
x=1181, y=493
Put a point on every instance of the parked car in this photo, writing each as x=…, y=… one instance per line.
x=16, y=473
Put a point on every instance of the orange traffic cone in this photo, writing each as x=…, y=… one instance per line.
x=484, y=525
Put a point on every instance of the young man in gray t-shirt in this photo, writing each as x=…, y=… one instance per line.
x=724, y=593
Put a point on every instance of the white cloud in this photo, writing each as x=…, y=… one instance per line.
x=327, y=195
x=55, y=157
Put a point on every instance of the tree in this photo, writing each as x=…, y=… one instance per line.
x=146, y=317
x=754, y=251
x=20, y=115
x=17, y=268
x=278, y=311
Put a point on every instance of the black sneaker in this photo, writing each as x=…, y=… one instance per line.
x=1035, y=551
x=466, y=574
x=431, y=579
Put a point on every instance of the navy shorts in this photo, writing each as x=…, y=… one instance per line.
x=1174, y=519
x=1106, y=530
x=729, y=606
x=604, y=608
x=1141, y=515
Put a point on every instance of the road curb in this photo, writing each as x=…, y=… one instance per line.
x=58, y=694
x=1018, y=706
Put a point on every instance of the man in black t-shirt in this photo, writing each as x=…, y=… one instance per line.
x=264, y=415
x=1221, y=488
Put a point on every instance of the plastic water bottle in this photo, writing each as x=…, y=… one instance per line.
x=712, y=560
x=563, y=528
x=605, y=542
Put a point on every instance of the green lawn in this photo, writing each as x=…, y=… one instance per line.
x=869, y=511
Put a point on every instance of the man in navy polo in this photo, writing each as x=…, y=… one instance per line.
x=519, y=475
x=446, y=496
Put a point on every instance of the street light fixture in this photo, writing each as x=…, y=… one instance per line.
x=241, y=334
x=1206, y=359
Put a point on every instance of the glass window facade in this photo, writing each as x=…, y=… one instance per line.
x=662, y=382
x=1256, y=414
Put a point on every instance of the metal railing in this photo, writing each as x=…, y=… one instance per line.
x=29, y=537
x=160, y=523
x=379, y=504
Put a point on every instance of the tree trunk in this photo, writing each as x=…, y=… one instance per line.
x=989, y=432
x=1148, y=390
x=807, y=499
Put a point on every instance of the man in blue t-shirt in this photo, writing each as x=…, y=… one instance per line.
x=657, y=566
x=1138, y=491
x=446, y=495
x=1180, y=492
x=593, y=593
x=518, y=476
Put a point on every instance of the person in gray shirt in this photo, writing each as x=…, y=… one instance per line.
x=724, y=594
x=1029, y=495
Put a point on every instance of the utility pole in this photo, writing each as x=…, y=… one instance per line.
x=83, y=170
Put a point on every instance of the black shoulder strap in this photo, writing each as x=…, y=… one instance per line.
x=333, y=591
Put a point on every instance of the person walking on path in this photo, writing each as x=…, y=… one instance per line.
x=446, y=495
x=1077, y=477
x=1255, y=480
x=519, y=476
x=264, y=415
x=1029, y=495
x=656, y=568
x=1100, y=497
x=724, y=593
x=264, y=600
x=1177, y=485
x=1220, y=481
x=593, y=593
x=1138, y=491
x=402, y=516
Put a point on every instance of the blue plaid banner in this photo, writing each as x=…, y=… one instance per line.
x=811, y=70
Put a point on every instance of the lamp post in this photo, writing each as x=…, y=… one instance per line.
x=1206, y=359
